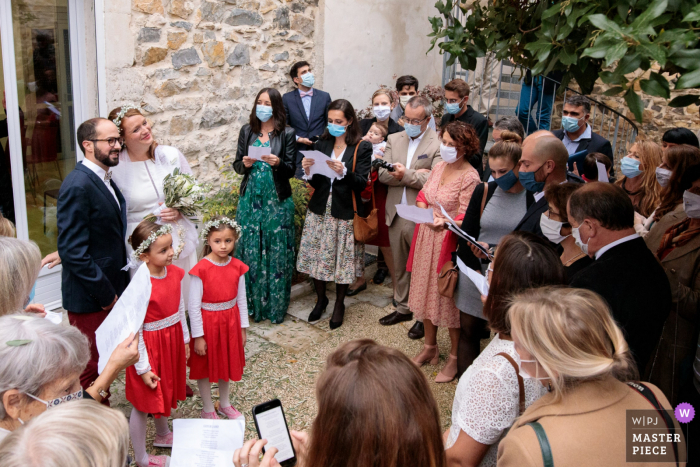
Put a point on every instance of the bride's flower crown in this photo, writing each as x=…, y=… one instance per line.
x=216, y=223
x=122, y=111
x=165, y=229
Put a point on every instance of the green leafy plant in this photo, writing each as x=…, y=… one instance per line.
x=618, y=41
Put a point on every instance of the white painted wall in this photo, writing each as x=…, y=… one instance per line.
x=367, y=42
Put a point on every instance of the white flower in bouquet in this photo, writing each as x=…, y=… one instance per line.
x=183, y=193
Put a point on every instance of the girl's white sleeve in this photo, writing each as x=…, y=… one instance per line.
x=142, y=366
x=195, y=306
x=242, y=302
x=183, y=319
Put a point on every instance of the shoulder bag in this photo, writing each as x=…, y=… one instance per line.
x=365, y=228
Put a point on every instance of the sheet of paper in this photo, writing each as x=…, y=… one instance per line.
x=320, y=166
x=602, y=172
x=479, y=281
x=461, y=233
x=55, y=318
x=415, y=214
x=206, y=443
x=126, y=317
x=256, y=152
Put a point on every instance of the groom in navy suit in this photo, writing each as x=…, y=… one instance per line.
x=306, y=109
x=91, y=228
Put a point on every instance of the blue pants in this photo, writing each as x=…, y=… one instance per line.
x=530, y=95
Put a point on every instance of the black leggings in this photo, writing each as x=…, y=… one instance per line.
x=472, y=330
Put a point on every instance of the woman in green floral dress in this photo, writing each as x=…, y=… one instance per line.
x=265, y=209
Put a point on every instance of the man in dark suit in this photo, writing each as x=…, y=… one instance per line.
x=625, y=273
x=91, y=217
x=306, y=109
x=543, y=164
x=576, y=134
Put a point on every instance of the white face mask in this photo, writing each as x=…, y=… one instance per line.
x=691, y=204
x=381, y=112
x=527, y=375
x=448, y=154
x=403, y=100
x=663, y=176
x=577, y=237
x=551, y=229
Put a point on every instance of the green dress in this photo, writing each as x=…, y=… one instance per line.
x=266, y=245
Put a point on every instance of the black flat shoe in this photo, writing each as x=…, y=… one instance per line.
x=336, y=324
x=318, y=310
x=417, y=331
x=379, y=276
x=352, y=292
x=395, y=318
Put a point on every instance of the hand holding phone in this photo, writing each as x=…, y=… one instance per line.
x=272, y=427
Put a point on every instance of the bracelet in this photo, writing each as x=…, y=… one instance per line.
x=103, y=394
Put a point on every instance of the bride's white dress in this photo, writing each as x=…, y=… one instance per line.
x=141, y=183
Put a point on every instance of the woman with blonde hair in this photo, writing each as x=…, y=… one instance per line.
x=568, y=340
x=639, y=176
x=81, y=434
x=20, y=262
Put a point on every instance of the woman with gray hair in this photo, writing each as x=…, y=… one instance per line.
x=20, y=263
x=82, y=434
x=40, y=367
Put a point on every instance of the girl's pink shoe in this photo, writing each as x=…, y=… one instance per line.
x=229, y=412
x=158, y=461
x=164, y=441
x=209, y=415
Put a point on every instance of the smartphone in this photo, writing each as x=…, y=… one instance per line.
x=314, y=139
x=272, y=426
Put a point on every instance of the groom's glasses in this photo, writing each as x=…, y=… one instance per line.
x=111, y=141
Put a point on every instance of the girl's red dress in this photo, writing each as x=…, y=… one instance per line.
x=166, y=350
x=225, y=357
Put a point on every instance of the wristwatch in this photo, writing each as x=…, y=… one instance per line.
x=103, y=394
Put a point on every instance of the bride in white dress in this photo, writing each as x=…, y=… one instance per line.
x=143, y=164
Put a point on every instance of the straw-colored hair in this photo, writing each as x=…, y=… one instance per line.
x=20, y=262
x=649, y=190
x=131, y=113
x=77, y=434
x=7, y=228
x=387, y=92
x=510, y=146
x=572, y=335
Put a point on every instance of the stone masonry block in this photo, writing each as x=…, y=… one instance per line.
x=176, y=39
x=213, y=53
x=186, y=57
x=148, y=6
x=240, y=17
x=149, y=35
x=154, y=55
x=239, y=56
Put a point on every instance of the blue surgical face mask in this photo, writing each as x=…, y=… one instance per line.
x=453, y=108
x=412, y=130
x=570, y=124
x=507, y=181
x=527, y=179
x=263, y=112
x=336, y=130
x=59, y=400
x=307, y=79
x=630, y=167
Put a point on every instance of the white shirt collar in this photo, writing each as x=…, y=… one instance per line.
x=585, y=135
x=600, y=252
x=99, y=171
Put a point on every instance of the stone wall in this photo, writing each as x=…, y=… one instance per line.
x=195, y=66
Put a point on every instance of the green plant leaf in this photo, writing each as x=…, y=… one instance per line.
x=689, y=80
x=602, y=22
x=656, y=85
x=688, y=59
x=615, y=53
x=555, y=10
x=634, y=102
x=654, y=52
x=614, y=91
x=684, y=101
x=18, y=343
x=694, y=15
x=655, y=9
x=628, y=63
x=567, y=58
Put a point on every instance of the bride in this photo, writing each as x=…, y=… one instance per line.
x=143, y=164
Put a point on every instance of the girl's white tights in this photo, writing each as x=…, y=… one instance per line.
x=205, y=392
x=137, y=430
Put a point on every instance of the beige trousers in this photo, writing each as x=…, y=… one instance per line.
x=400, y=237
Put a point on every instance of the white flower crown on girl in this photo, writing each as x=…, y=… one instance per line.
x=216, y=223
x=124, y=109
x=165, y=229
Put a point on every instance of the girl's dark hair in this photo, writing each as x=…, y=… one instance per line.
x=141, y=233
x=375, y=408
x=353, y=133
x=679, y=159
x=589, y=167
x=223, y=226
x=523, y=261
x=680, y=136
x=279, y=116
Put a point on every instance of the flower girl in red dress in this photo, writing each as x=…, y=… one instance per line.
x=158, y=380
x=218, y=316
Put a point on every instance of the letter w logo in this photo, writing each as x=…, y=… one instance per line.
x=684, y=412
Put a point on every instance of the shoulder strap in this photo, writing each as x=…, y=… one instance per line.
x=521, y=384
x=483, y=199
x=547, y=458
x=648, y=394
x=352, y=195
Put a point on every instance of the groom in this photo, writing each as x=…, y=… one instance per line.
x=91, y=228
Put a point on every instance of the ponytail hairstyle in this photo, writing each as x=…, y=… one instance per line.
x=219, y=224
x=118, y=115
x=572, y=335
x=509, y=146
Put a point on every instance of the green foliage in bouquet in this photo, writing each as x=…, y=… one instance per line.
x=184, y=193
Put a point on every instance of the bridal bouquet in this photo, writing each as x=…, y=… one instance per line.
x=182, y=192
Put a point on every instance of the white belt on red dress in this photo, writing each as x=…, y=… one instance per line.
x=219, y=306
x=162, y=324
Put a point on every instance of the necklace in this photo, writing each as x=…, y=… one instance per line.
x=573, y=259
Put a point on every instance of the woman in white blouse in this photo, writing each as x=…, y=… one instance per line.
x=143, y=165
x=487, y=400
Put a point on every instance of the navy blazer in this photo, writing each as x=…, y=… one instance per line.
x=595, y=144
x=91, y=231
x=315, y=124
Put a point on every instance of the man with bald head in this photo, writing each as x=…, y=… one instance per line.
x=543, y=164
x=625, y=273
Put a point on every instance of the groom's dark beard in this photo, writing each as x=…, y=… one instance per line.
x=104, y=158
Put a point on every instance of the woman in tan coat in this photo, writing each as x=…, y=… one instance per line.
x=569, y=337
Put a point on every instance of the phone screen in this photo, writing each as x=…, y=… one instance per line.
x=273, y=428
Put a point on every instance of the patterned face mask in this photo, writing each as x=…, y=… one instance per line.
x=76, y=396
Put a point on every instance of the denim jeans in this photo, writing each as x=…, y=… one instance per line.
x=530, y=95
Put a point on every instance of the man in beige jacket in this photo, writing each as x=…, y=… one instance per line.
x=413, y=153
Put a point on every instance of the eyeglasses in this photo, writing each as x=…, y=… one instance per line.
x=111, y=141
x=416, y=122
x=496, y=140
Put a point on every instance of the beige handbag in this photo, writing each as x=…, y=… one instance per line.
x=366, y=228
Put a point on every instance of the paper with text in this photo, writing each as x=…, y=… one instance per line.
x=126, y=317
x=461, y=233
x=320, y=166
x=415, y=214
x=602, y=172
x=206, y=443
x=482, y=285
x=256, y=152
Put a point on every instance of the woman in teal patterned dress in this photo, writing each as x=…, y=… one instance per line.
x=265, y=209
